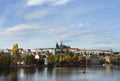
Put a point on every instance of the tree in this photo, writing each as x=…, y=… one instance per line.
x=5, y=59
x=56, y=58
x=102, y=60
x=15, y=49
x=67, y=59
x=41, y=60
x=69, y=53
x=81, y=59
x=74, y=59
x=30, y=59
x=118, y=60
x=61, y=59
x=51, y=59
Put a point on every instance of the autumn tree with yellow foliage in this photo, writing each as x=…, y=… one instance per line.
x=15, y=49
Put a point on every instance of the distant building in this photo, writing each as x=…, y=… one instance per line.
x=75, y=50
x=25, y=51
x=44, y=50
x=63, y=48
x=95, y=51
x=116, y=53
x=7, y=51
x=60, y=49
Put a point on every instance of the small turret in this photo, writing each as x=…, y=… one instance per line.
x=57, y=45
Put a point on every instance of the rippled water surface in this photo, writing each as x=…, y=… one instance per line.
x=61, y=74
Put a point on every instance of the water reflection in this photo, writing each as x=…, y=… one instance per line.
x=14, y=75
x=60, y=74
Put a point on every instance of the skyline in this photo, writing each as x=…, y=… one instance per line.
x=42, y=23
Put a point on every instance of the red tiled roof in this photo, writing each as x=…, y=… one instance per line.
x=73, y=48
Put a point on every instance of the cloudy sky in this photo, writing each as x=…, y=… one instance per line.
x=41, y=23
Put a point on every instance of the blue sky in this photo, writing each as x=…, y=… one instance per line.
x=91, y=24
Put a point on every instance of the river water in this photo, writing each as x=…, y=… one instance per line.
x=93, y=73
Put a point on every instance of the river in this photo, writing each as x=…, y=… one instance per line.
x=94, y=73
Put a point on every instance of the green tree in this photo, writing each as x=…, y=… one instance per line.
x=57, y=58
x=69, y=53
x=51, y=59
x=24, y=58
x=102, y=60
x=115, y=60
x=61, y=59
x=5, y=59
x=67, y=59
x=41, y=60
x=30, y=59
x=74, y=59
x=81, y=59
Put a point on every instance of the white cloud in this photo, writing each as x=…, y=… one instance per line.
x=79, y=25
x=82, y=24
x=21, y=27
x=21, y=30
x=35, y=2
x=41, y=2
x=61, y=2
x=38, y=14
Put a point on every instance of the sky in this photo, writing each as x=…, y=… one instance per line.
x=90, y=24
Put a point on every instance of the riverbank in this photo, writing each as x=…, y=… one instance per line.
x=53, y=66
x=49, y=66
x=58, y=65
